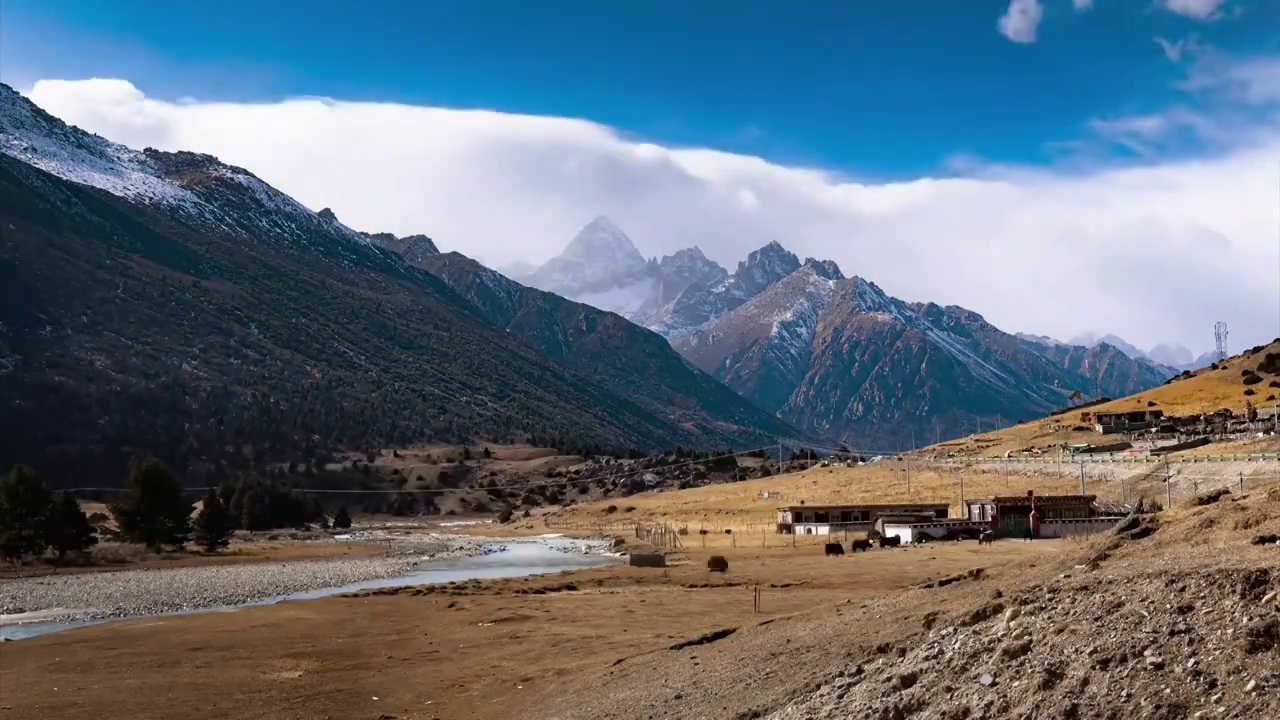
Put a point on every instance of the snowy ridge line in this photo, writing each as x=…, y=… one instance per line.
x=32, y=136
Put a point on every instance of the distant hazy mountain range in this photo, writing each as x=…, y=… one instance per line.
x=836, y=355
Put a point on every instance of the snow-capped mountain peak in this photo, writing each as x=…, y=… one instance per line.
x=599, y=267
x=824, y=268
x=603, y=242
x=197, y=185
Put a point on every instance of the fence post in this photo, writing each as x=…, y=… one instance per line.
x=1242, y=482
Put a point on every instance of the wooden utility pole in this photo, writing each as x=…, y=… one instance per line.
x=1082, y=477
x=1168, y=485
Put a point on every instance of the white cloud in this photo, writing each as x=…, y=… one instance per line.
x=1198, y=9
x=1175, y=50
x=1153, y=254
x=1082, y=5
x=1253, y=81
x=1020, y=20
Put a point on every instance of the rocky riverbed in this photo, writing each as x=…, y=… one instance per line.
x=126, y=593
x=131, y=593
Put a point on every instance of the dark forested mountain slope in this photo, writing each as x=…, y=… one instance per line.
x=168, y=302
x=633, y=362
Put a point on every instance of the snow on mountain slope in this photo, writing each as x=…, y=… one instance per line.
x=842, y=358
x=37, y=138
x=785, y=315
x=199, y=186
x=702, y=302
x=1039, y=339
x=599, y=259
x=682, y=269
x=626, y=300
x=602, y=268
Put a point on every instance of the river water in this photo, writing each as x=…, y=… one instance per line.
x=518, y=558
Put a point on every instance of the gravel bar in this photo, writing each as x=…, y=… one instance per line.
x=131, y=593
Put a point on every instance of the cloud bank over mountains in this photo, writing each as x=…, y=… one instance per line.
x=1154, y=253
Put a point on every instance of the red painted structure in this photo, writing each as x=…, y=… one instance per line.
x=1014, y=515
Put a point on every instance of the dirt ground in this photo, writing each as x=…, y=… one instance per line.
x=476, y=650
x=750, y=507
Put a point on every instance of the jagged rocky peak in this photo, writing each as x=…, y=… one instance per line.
x=413, y=248
x=183, y=161
x=692, y=264
x=764, y=267
x=824, y=268
x=771, y=255
x=604, y=242
x=417, y=247
x=866, y=296
x=327, y=215
x=690, y=256
x=383, y=238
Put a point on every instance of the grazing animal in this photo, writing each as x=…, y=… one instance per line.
x=986, y=538
x=857, y=545
x=717, y=563
x=835, y=549
x=888, y=541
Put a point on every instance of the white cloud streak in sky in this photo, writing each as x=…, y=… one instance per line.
x=1153, y=254
x=1020, y=20
x=1198, y=9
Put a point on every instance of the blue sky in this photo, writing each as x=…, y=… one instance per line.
x=1060, y=166
x=874, y=89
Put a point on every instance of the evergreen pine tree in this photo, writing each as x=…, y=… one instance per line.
x=69, y=529
x=342, y=520
x=253, y=513
x=25, y=504
x=154, y=511
x=214, y=524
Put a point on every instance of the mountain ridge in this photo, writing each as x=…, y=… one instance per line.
x=170, y=303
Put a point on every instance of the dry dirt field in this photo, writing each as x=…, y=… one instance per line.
x=637, y=643
x=478, y=650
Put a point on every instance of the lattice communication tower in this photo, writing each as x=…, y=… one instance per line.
x=1220, y=340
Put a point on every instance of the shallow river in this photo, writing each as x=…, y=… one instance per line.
x=519, y=558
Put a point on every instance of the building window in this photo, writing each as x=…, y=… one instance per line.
x=821, y=517
x=846, y=516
